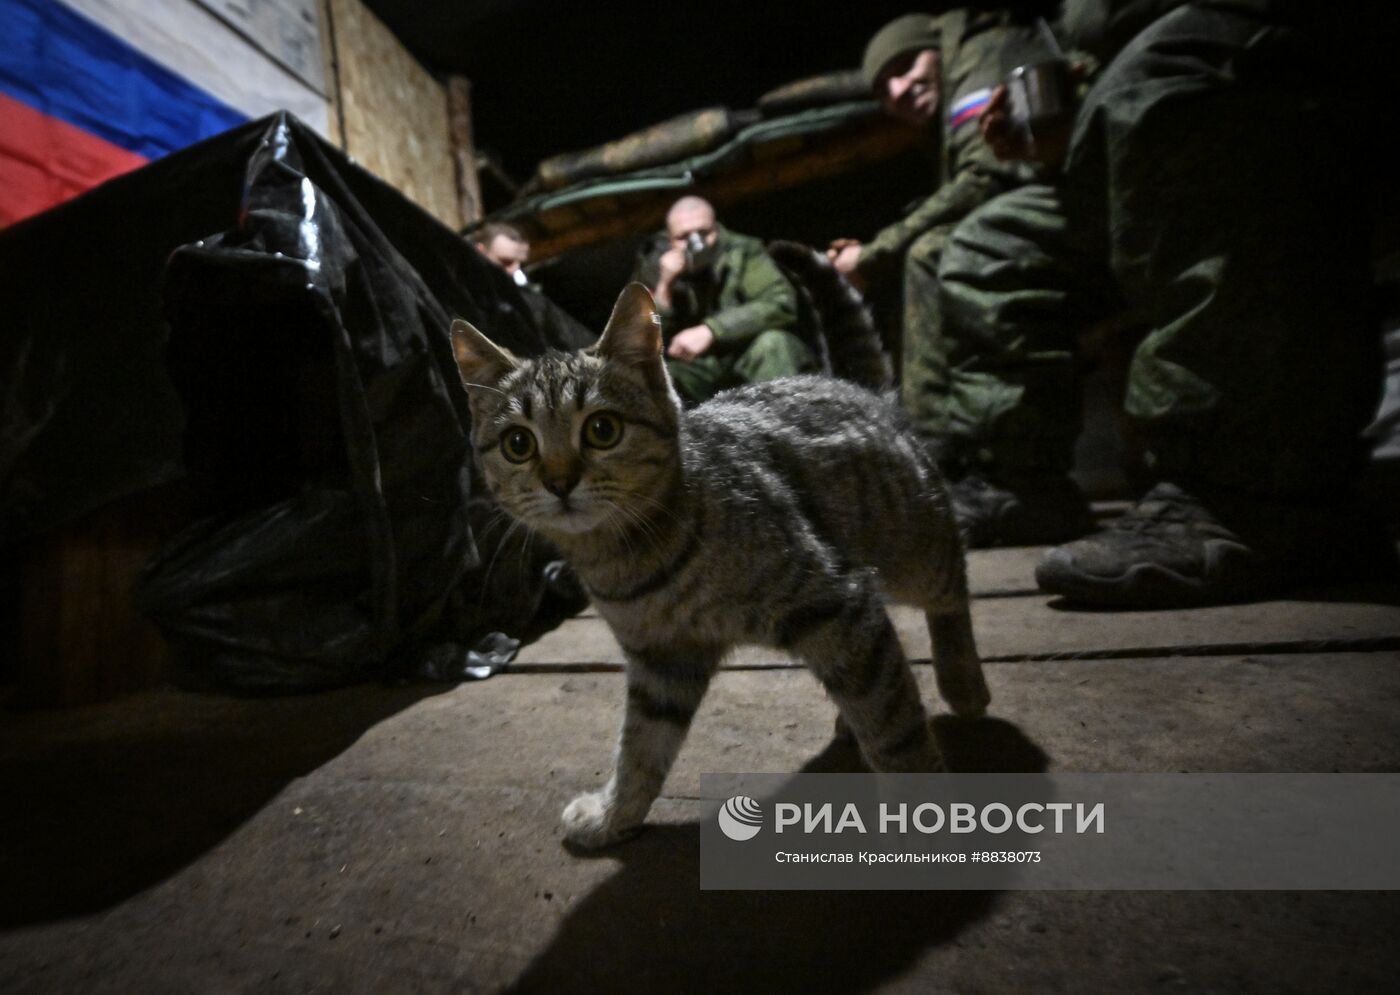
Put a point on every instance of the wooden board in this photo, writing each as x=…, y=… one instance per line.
x=407, y=839
x=335, y=131
x=393, y=114
x=459, y=113
x=1032, y=628
x=82, y=638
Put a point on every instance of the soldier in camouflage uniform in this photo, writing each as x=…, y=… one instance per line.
x=728, y=314
x=506, y=246
x=1203, y=196
x=940, y=72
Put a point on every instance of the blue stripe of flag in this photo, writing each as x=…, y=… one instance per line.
x=65, y=65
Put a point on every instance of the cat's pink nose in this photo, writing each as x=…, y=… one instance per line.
x=559, y=486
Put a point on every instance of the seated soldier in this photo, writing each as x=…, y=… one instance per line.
x=1195, y=192
x=506, y=245
x=937, y=74
x=728, y=314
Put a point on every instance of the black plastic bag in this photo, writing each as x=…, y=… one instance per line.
x=310, y=395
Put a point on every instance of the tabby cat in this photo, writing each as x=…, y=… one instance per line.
x=779, y=514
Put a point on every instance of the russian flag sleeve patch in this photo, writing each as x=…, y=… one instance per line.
x=968, y=107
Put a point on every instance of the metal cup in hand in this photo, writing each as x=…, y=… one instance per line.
x=698, y=253
x=1040, y=94
x=694, y=248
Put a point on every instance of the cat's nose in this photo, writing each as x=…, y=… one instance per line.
x=560, y=486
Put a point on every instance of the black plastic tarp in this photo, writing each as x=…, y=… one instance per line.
x=261, y=315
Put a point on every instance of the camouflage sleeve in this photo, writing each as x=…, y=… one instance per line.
x=953, y=201
x=979, y=50
x=769, y=301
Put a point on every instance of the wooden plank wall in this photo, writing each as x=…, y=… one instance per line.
x=391, y=114
x=459, y=114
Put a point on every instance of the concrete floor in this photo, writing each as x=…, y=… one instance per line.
x=405, y=839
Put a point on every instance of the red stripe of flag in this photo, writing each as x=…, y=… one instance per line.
x=969, y=112
x=45, y=161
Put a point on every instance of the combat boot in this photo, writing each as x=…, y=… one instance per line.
x=1177, y=549
x=1019, y=510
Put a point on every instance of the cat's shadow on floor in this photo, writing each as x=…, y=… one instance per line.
x=649, y=927
x=970, y=746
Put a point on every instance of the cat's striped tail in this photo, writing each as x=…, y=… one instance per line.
x=842, y=330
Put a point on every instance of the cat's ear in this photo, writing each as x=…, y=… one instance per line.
x=633, y=334
x=480, y=361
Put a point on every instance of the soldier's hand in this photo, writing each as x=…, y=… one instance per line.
x=837, y=244
x=671, y=264
x=844, y=254
x=1050, y=141
x=691, y=343
x=1006, y=141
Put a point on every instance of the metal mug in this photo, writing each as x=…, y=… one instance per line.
x=699, y=254
x=1040, y=94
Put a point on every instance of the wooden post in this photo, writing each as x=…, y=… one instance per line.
x=335, y=114
x=392, y=112
x=459, y=123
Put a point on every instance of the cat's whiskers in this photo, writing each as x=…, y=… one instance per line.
x=482, y=386
x=658, y=505
x=611, y=519
x=497, y=517
x=516, y=523
x=525, y=549
x=644, y=526
x=619, y=515
x=488, y=528
x=613, y=494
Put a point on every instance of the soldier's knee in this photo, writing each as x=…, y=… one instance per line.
x=778, y=342
x=926, y=250
x=775, y=353
x=690, y=385
x=1019, y=223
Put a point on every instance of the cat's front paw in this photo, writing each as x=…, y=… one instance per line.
x=971, y=704
x=590, y=822
x=966, y=693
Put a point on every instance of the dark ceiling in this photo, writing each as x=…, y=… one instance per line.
x=558, y=75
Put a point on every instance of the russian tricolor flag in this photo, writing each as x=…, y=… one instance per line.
x=968, y=107
x=80, y=103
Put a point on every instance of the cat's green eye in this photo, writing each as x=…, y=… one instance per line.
x=603, y=430
x=518, y=444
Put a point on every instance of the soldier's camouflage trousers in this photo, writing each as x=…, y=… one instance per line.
x=769, y=355
x=989, y=372
x=1205, y=201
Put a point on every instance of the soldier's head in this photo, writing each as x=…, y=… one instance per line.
x=506, y=246
x=691, y=215
x=902, y=66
